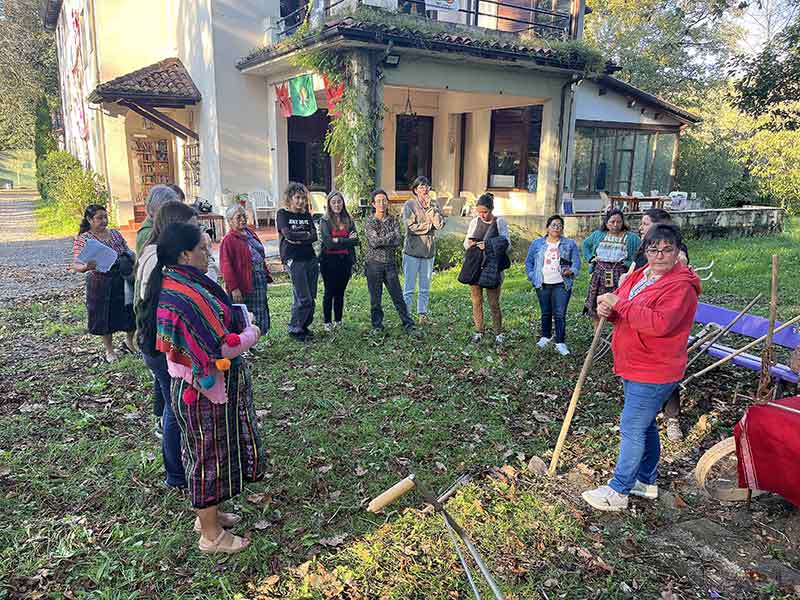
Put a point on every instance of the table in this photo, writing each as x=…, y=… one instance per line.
x=632, y=202
x=212, y=221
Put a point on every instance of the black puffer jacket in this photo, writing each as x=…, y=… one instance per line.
x=495, y=261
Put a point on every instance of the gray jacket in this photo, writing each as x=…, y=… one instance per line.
x=421, y=226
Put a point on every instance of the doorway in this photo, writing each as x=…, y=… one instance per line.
x=309, y=163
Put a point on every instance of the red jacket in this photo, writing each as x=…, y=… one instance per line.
x=236, y=262
x=651, y=331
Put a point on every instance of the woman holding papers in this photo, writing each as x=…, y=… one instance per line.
x=108, y=307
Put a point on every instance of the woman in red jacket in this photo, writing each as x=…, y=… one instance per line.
x=244, y=268
x=652, y=312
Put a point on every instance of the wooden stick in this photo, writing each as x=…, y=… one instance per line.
x=587, y=364
x=723, y=331
x=733, y=355
x=763, y=391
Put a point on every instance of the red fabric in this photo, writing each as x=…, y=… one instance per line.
x=333, y=95
x=767, y=446
x=651, y=331
x=236, y=263
x=338, y=233
x=284, y=99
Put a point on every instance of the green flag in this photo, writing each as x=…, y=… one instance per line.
x=304, y=102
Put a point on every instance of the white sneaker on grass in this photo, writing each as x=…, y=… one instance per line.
x=328, y=326
x=543, y=341
x=562, y=349
x=476, y=337
x=499, y=339
x=644, y=490
x=606, y=499
x=674, y=433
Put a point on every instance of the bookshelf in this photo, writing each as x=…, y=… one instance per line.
x=153, y=166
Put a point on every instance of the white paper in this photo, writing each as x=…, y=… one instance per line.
x=104, y=256
x=245, y=313
x=442, y=5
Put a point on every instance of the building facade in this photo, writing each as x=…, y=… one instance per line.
x=476, y=95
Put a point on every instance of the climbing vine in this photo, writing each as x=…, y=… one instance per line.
x=354, y=135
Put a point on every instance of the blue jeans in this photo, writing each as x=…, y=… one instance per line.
x=171, y=438
x=553, y=301
x=412, y=268
x=639, y=447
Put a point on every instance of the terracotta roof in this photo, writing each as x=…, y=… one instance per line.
x=166, y=83
x=627, y=89
x=446, y=37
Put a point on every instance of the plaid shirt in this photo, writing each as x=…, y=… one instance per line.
x=383, y=238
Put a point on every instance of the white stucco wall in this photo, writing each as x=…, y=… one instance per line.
x=612, y=106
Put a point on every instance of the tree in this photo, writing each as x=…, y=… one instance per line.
x=770, y=81
x=676, y=49
x=28, y=71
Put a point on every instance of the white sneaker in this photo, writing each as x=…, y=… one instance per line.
x=562, y=349
x=499, y=339
x=477, y=337
x=543, y=341
x=644, y=490
x=328, y=326
x=606, y=499
x=674, y=433
x=337, y=324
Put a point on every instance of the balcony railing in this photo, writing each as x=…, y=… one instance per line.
x=522, y=17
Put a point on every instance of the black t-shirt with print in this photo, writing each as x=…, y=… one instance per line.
x=296, y=227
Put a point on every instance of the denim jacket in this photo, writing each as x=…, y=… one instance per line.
x=567, y=249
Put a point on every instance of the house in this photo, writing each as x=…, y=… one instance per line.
x=474, y=94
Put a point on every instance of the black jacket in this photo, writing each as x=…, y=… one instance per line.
x=495, y=261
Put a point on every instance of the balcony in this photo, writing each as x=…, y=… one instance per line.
x=516, y=19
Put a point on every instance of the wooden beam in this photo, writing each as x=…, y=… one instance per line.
x=162, y=120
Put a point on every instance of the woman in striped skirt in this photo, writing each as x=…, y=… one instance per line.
x=191, y=319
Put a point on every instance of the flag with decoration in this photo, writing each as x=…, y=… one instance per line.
x=301, y=90
x=333, y=95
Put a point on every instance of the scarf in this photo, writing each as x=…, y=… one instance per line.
x=193, y=317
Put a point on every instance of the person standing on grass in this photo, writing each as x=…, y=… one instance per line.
x=653, y=314
x=339, y=240
x=158, y=196
x=297, y=234
x=650, y=217
x=383, y=239
x=552, y=263
x=244, y=266
x=487, y=234
x=108, y=307
x=422, y=217
x=609, y=252
x=192, y=321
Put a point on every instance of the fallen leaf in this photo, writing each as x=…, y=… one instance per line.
x=336, y=494
x=360, y=471
x=541, y=417
x=537, y=466
x=440, y=468
x=261, y=525
x=334, y=541
x=325, y=468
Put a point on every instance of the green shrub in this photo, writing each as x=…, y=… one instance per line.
x=51, y=171
x=44, y=142
x=77, y=190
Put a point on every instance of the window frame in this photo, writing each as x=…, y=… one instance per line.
x=523, y=149
x=406, y=185
x=655, y=131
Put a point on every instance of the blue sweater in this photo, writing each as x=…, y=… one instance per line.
x=534, y=262
x=591, y=243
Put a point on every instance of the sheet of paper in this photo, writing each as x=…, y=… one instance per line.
x=245, y=314
x=104, y=256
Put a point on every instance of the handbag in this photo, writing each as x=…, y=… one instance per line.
x=471, y=267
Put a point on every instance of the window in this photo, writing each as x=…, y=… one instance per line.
x=294, y=13
x=514, y=147
x=413, y=149
x=622, y=161
x=515, y=15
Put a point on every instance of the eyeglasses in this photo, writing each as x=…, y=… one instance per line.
x=556, y=225
x=659, y=253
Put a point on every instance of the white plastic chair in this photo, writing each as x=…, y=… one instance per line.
x=264, y=204
x=678, y=200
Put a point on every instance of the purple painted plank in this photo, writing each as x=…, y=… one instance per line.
x=749, y=325
x=753, y=363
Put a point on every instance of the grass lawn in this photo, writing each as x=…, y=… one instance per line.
x=84, y=514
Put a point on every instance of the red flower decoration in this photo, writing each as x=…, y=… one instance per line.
x=190, y=395
x=233, y=340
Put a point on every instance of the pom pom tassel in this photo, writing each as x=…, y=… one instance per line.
x=190, y=395
x=233, y=340
x=223, y=364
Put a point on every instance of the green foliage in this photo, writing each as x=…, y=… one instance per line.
x=44, y=141
x=770, y=81
x=67, y=189
x=52, y=169
x=28, y=70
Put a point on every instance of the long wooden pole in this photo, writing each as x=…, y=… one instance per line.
x=733, y=355
x=587, y=364
x=763, y=392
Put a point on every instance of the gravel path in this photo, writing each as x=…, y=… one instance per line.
x=30, y=266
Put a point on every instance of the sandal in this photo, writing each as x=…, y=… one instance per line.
x=226, y=521
x=126, y=348
x=226, y=543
